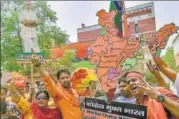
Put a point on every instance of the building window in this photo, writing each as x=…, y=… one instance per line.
x=136, y=28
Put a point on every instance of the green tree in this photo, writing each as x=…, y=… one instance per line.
x=11, y=42
x=150, y=77
x=65, y=62
x=10, y=37
x=169, y=59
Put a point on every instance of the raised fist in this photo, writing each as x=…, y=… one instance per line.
x=10, y=83
x=35, y=60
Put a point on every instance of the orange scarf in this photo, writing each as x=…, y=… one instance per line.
x=155, y=110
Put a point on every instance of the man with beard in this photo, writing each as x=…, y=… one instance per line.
x=64, y=96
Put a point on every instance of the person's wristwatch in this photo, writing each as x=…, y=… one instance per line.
x=160, y=98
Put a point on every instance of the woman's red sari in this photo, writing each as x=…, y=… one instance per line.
x=44, y=113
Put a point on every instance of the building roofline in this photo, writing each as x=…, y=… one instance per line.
x=88, y=26
x=81, y=42
x=139, y=6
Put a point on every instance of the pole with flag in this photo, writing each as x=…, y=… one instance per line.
x=120, y=18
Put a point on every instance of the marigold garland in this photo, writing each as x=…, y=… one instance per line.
x=81, y=79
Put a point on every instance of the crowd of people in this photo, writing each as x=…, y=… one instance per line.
x=161, y=102
x=56, y=99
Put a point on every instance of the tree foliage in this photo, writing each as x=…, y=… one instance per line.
x=64, y=62
x=169, y=59
x=11, y=42
x=150, y=78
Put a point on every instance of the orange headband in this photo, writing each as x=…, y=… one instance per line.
x=135, y=75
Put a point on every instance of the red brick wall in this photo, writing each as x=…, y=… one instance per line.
x=88, y=35
x=131, y=27
x=147, y=25
x=144, y=25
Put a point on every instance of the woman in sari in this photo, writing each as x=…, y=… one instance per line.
x=38, y=109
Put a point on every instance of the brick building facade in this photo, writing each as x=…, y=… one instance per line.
x=89, y=33
x=141, y=23
x=141, y=20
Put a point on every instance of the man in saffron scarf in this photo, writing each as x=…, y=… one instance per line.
x=159, y=101
x=64, y=96
x=37, y=110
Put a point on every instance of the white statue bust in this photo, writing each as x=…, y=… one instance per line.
x=28, y=26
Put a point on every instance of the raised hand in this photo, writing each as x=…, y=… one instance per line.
x=35, y=60
x=152, y=67
x=149, y=90
x=31, y=88
x=153, y=48
x=139, y=89
x=10, y=83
